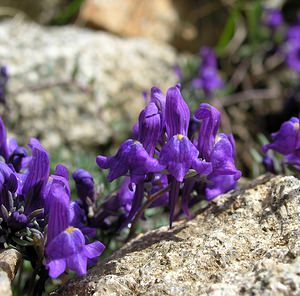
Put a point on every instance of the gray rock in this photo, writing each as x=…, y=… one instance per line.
x=245, y=243
x=103, y=99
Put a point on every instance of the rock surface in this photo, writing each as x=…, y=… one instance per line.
x=9, y=262
x=155, y=19
x=245, y=243
x=78, y=87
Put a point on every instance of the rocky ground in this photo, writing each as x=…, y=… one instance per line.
x=245, y=243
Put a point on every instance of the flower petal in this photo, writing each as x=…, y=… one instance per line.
x=56, y=267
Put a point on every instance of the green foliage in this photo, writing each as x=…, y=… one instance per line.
x=68, y=13
x=229, y=30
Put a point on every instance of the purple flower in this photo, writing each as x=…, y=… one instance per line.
x=59, y=215
x=11, y=151
x=60, y=176
x=287, y=142
x=36, y=178
x=159, y=99
x=218, y=185
x=159, y=182
x=68, y=249
x=150, y=127
x=125, y=196
x=222, y=158
x=162, y=132
x=3, y=141
x=19, y=158
x=115, y=208
x=131, y=158
x=268, y=163
x=177, y=113
x=272, y=18
x=225, y=174
x=66, y=245
x=208, y=78
x=62, y=171
x=78, y=219
x=294, y=158
x=210, y=123
x=3, y=82
x=179, y=155
x=293, y=46
x=293, y=33
x=178, y=72
x=293, y=55
x=17, y=221
x=287, y=139
x=85, y=187
x=8, y=185
x=208, y=58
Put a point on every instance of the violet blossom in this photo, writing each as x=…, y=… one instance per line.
x=85, y=187
x=3, y=82
x=171, y=150
x=287, y=142
x=66, y=245
x=208, y=77
x=272, y=18
x=292, y=46
x=131, y=158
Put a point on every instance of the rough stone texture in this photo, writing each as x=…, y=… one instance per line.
x=155, y=19
x=105, y=96
x=245, y=243
x=9, y=262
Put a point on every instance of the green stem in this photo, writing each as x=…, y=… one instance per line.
x=19, y=281
x=32, y=283
x=40, y=284
x=151, y=199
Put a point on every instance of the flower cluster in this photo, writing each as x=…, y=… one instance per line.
x=208, y=77
x=37, y=215
x=286, y=142
x=290, y=46
x=171, y=154
x=172, y=159
x=293, y=46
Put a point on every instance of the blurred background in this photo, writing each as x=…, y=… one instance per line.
x=77, y=72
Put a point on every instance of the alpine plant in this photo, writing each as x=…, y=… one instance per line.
x=172, y=153
x=173, y=160
x=37, y=216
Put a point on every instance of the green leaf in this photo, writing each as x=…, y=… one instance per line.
x=253, y=13
x=229, y=30
x=68, y=13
